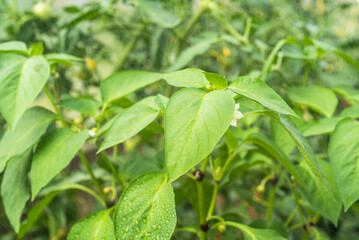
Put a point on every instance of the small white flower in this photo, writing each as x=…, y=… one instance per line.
x=92, y=133
x=236, y=115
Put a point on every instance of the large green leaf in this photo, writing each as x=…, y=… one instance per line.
x=281, y=138
x=258, y=90
x=146, y=209
x=129, y=122
x=14, y=191
x=318, y=98
x=194, y=122
x=31, y=126
x=120, y=84
x=344, y=158
x=97, y=226
x=21, y=80
x=157, y=14
x=255, y=234
x=316, y=195
x=190, y=77
x=13, y=47
x=54, y=152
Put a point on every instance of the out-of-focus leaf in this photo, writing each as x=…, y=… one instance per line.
x=344, y=157
x=318, y=98
x=157, y=14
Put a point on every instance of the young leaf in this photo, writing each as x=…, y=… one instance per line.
x=216, y=80
x=129, y=122
x=21, y=80
x=120, y=84
x=54, y=152
x=13, y=47
x=157, y=14
x=344, y=157
x=194, y=122
x=36, y=49
x=97, y=226
x=30, y=128
x=258, y=90
x=190, y=77
x=146, y=209
x=255, y=234
x=318, y=98
x=14, y=191
x=79, y=104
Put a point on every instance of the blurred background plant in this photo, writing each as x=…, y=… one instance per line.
x=306, y=50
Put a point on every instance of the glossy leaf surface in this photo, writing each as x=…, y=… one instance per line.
x=194, y=122
x=146, y=209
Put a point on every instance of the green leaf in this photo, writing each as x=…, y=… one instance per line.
x=216, y=80
x=54, y=152
x=120, y=84
x=255, y=234
x=320, y=127
x=30, y=128
x=189, y=54
x=194, y=122
x=348, y=93
x=146, y=209
x=21, y=80
x=318, y=98
x=13, y=47
x=302, y=145
x=258, y=90
x=62, y=58
x=129, y=122
x=344, y=158
x=161, y=101
x=319, y=200
x=281, y=138
x=14, y=191
x=157, y=14
x=273, y=151
x=352, y=112
x=97, y=226
x=35, y=213
x=80, y=104
x=36, y=49
x=190, y=77
x=231, y=140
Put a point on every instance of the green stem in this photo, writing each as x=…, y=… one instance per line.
x=234, y=32
x=270, y=59
x=129, y=46
x=213, y=202
x=112, y=168
x=271, y=202
x=182, y=37
x=201, y=210
x=290, y=217
x=51, y=98
x=93, y=178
